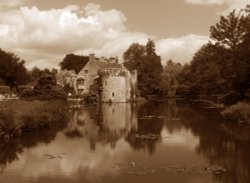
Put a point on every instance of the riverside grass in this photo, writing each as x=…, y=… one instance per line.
x=19, y=116
x=239, y=112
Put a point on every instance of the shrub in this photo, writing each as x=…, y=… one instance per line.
x=45, y=89
x=232, y=97
x=239, y=112
x=9, y=126
x=90, y=99
x=26, y=93
x=4, y=90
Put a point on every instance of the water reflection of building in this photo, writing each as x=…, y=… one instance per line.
x=106, y=124
x=81, y=124
x=118, y=120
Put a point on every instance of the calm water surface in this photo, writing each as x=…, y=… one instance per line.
x=150, y=142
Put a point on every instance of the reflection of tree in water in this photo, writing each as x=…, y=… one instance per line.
x=219, y=143
x=146, y=127
x=220, y=147
x=10, y=149
x=108, y=124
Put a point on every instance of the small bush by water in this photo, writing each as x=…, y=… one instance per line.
x=239, y=112
x=17, y=117
x=45, y=89
x=9, y=127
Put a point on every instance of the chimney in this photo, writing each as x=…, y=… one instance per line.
x=91, y=57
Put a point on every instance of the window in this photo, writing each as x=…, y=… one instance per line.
x=80, y=81
x=86, y=71
x=113, y=94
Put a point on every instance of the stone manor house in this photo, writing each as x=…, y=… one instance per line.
x=117, y=84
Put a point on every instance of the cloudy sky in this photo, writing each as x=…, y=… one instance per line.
x=42, y=32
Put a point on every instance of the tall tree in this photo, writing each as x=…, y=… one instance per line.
x=150, y=48
x=133, y=56
x=170, y=78
x=230, y=30
x=12, y=70
x=35, y=73
x=222, y=66
x=147, y=63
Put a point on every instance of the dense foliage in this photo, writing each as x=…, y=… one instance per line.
x=239, y=112
x=17, y=117
x=45, y=89
x=12, y=70
x=170, y=79
x=74, y=62
x=35, y=73
x=221, y=67
x=148, y=65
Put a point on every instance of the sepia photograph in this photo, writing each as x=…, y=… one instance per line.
x=124, y=91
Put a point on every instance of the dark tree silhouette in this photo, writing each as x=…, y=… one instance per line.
x=74, y=62
x=230, y=31
x=222, y=66
x=12, y=70
x=147, y=63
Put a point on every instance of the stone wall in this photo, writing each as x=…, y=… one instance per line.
x=89, y=73
x=114, y=89
x=119, y=85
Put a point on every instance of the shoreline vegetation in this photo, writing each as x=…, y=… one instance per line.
x=18, y=117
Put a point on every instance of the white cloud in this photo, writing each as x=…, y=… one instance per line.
x=234, y=4
x=43, y=37
x=10, y=3
x=39, y=35
x=229, y=4
x=206, y=2
x=180, y=49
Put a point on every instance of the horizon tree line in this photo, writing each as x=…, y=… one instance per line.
x=219, y=68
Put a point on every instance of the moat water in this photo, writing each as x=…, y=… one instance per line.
x=173, y=141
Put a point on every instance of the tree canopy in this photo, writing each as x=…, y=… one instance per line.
x=148, y=65
x=230, y=30
x=35, y=73
x=45, y=89
x=12, y=70
x=74, y=62
x=170, y=78
x=222, y=66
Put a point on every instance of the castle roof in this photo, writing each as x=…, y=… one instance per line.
x=113, y=66
x=108, y=65
x=101, y=63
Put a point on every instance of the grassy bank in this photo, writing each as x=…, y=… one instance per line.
x=239, y=113
x=20, y=116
